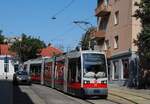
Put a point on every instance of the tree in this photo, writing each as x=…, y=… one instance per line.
x=27, y=48
x=143, y=42
x=85, y=42
x=143, y=39
x=1, y=37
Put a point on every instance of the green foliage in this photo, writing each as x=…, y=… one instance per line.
x=27, y=48
x=1, y=37
x=86, y=39
x=143, y=41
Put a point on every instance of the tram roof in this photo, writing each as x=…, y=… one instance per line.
x=78, y=53
x=73, y=54
x=35, y=61
x=49, y=59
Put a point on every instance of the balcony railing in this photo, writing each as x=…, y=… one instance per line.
x=98, y=34
x=103, y=9
x=99, y=48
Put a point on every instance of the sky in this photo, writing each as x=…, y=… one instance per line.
x=34, y=17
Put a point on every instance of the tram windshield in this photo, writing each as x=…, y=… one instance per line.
x=94, y=65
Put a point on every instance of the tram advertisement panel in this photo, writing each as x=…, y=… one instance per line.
x=59, y=74
x=48, y=73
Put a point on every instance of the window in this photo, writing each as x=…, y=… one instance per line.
x=104, y=23
x=116, y=43
x=74, y=72
x=125, y=63
x=6, y=67
x=116, y=18
x=107, y=44
x=106, y=2
x=116, y=1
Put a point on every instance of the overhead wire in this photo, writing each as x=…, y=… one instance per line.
x=70, y=29
x=63, y=9
x=73, y=27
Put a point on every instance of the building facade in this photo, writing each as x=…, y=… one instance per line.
x=116, y=31
x=7, y=63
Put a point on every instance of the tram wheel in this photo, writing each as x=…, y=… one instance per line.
x=104, y=96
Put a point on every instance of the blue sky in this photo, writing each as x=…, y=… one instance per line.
x=33, y=17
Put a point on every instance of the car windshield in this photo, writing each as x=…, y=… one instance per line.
x=22, y=73
x=94, y=65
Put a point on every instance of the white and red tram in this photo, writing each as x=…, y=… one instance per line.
x=82, y=73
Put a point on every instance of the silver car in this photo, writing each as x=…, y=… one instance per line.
x=21, y=77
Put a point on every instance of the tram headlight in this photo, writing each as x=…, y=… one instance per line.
x=29, y=77
x=18, y=78
x=104, y=81
x=86, y=82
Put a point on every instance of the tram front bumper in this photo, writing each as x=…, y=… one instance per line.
x=96, y=91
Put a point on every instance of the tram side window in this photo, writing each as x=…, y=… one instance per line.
x=74, y=70
x=35, y=69
x=79, y=70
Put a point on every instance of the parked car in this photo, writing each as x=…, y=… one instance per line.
x=21, y=77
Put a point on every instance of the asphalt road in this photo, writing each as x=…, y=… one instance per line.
x=37, y=94
x=46, y=95
x=6, y=92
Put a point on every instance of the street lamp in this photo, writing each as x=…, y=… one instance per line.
x=78, y=23
x=82, y=22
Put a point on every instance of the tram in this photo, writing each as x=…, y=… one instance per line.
x=82, y=73
x=34, y=69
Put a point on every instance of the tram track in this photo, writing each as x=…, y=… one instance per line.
x=131, y=97
x=101, y=101
x=146, y=97
x=112, y=100
x=121, y=97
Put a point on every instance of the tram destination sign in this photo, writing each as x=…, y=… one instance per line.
x=94, y=57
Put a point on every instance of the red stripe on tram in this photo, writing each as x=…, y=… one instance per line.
x=35, y=77
x=95, y=85
x=74, y=85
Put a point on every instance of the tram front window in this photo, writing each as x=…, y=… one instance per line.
x=94, y=65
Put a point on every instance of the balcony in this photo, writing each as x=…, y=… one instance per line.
x=102, y=9
x=99, y=48
x=99, y=34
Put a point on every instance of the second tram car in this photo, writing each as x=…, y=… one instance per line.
x=82, y=73
x=34, y=69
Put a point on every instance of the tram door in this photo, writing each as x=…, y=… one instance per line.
x=48, y=73
x=35, y=72
x=59, y=74
x=74, y=75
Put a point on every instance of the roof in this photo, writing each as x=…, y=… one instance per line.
x=50, y=51
x=4, y=50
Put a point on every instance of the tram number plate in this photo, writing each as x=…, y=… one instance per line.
x=96, y=91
